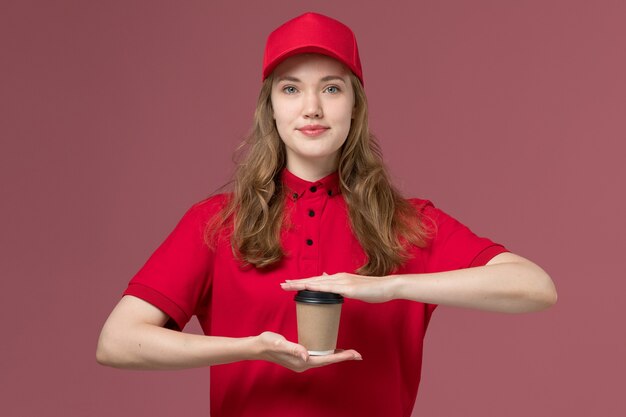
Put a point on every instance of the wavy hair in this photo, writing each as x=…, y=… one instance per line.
x=384, y=222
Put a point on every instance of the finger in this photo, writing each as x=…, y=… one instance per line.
x=291, y=286
x=304, y=280
x=323, y=287
x=338, y=356
x=349, y=354
x=302, y=284
x=322, y=277
x=313, y=286
x=295, y=350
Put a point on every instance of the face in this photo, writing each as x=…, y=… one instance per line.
x=313, y=103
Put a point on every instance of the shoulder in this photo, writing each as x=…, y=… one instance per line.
x=202, y=213
x=452, y=244
x=431, y=216
x=420, y=204
x=426, y=209
x=210, y=206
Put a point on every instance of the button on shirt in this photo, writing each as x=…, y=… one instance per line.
x=184, y=278
x=313, y=223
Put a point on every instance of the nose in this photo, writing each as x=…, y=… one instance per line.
x=313, y=106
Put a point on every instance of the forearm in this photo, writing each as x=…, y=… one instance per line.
x=147, y=346
x=511, y=287
x=133, y=337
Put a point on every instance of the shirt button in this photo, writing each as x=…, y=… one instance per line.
x=311, y=213
x=309, y=242
x=313, y=189
x=294, y=195
x=330, y=192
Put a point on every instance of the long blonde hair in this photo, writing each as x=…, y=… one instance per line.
x=382, y=220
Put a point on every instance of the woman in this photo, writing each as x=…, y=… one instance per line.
x=312, y=208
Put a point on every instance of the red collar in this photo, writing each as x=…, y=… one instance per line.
x=299, y=188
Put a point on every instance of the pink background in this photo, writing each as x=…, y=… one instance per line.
x=118, y=115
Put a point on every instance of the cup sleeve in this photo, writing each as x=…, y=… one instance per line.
x=177, y=276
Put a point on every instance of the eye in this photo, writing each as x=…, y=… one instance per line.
x=290, y=89
x=332, y=89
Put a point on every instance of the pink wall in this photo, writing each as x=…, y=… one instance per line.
x=116, y=116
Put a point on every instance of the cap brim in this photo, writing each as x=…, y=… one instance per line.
x=311, y=49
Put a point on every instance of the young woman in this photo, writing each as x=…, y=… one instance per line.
x=312, y=208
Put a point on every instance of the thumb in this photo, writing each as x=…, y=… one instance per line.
x=297, y=350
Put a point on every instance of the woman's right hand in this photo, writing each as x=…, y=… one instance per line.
x=273, y=347
x=133, y=338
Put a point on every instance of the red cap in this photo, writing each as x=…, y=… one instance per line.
x=312, y=33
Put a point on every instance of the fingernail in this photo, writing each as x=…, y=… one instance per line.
x=304, y=357
x=358, y=358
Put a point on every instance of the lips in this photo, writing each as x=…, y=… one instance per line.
x=313, y=130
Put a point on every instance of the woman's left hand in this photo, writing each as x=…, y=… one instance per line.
x=360, y=287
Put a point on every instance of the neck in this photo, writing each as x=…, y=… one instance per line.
x=311, y=170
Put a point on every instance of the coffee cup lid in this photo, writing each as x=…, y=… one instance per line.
x=318, y=297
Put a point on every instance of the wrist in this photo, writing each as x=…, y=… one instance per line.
x=251, y=348
x=395, y=287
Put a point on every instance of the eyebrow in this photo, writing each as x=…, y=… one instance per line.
x=297, y=80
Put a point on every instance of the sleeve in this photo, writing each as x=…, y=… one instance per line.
x=453, y=245
x=177, y=276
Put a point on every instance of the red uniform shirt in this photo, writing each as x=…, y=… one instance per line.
x=184, y=278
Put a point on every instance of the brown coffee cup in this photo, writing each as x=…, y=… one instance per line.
x=318, y=316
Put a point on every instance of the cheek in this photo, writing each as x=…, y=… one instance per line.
x=344, y=115
x=282, y=112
